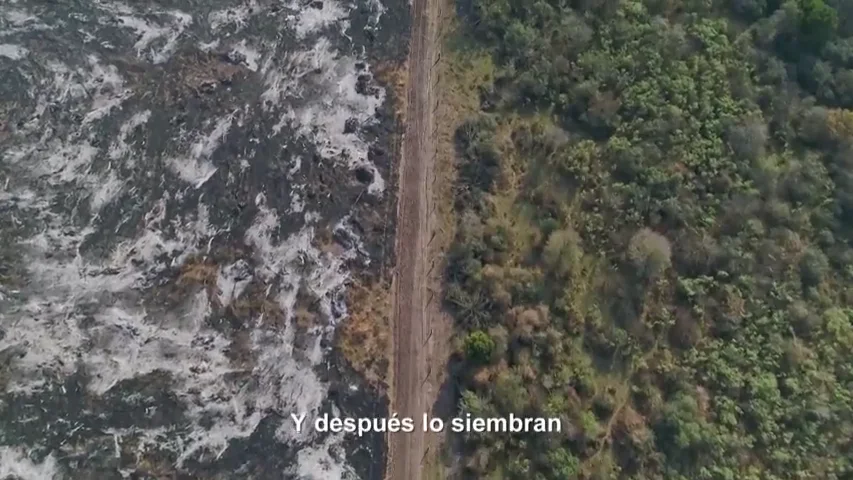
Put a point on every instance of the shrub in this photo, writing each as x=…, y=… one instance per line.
x=479, y=347
x=813, y=267
x=650, y=253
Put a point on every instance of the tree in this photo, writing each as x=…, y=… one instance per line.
x=650, y=253
x=563, y=464
x=815, y=126
x=840, y=124
x=748, y=138
x=475, y=142
x=476, y=405
x=563, y=251
x=479, y=347
x=510, y=393
x=750, y=9
x=843, y=86
x=814, y=266
x=818, y=22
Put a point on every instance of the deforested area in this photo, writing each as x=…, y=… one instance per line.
x=192, y=197
x=654, y=225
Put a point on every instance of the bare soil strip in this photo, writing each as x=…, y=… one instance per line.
x=409, y=396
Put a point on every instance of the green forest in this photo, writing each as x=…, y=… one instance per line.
x=654, y=238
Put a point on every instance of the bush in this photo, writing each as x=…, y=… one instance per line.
x=650, y=253
x=563, y=464
x=562, y=251
x=750, y=9
x=818, y=22
x=479, y=347
x=747, y=139
x=475, y=142
x=814, y=267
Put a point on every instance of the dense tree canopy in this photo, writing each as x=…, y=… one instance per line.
x=655, y=212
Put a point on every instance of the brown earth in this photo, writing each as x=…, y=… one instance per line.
x=412, y=390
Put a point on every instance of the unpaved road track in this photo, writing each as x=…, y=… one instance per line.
x=410, y=317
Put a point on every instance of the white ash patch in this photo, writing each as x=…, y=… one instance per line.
x=81, y=306
x=149, y=33
x=192, y=171
x=105, y=87
x=246, y=55
x=304, y=18
x=311, y=218
x=232, y=281
x=378, y=10
x=70, y=161
x=146, y=440
x=324, y=118
x=65, y=162
x=299, y=388
x=93, y=92
x=100, y=86
x=236, y=16
x=107, y=191
x=62, y=276
x=320, y=463
x=65, y=82
x=297, y=164
x=208, y=46
x=124, y=344
x=119, y=148
x=145, y=31
x=47, y=325
x=195, y=167
x=22, y=198
x=17, y=17
x=307, y=19
x=352, y=239
x=121, y=341
x=13, y=52
x=14, y=21
x=297, y=202
x=16, y=463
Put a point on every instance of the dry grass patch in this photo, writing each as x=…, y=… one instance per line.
x=199, y=73
x=198, y=271
x=364, y=337
x=202, y=272
x=325, y=241
x=254, y=303
x=395, y=77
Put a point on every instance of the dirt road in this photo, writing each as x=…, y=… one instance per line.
x=410, y=317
